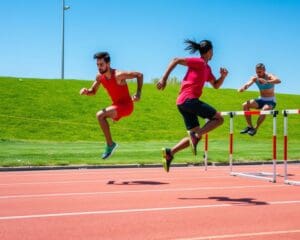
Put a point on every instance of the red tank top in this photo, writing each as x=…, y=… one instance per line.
x=118, y=93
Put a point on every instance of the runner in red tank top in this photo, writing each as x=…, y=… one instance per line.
x=114, y=81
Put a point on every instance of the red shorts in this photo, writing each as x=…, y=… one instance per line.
x=123, y=109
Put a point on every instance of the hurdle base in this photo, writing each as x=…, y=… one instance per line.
x=255, y=175
x=270, y=174
x=290, y=182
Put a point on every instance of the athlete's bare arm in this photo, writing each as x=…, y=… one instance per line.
x=161, y=84
x=122, y=76
x=93, y=89
x=216, y=83
x=273, y=79
x=248, y=84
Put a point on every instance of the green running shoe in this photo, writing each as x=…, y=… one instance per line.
x=109, y=150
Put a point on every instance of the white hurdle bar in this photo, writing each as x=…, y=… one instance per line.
x=285, y=144
x=272, y=177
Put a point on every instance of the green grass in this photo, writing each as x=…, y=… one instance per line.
x=47, y=122
x=42, y=153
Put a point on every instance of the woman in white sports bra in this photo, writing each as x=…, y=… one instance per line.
x=266, y=101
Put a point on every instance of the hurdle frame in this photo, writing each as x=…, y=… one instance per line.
x=205, y=149
x=272, y=175
x=285, y=144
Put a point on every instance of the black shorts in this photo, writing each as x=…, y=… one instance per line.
x=192, y=108
x=261, y=103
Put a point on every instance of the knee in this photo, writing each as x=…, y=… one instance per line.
x=246, y=105
x=100, y=115
x=221, y=120
x=267, y=108
x=218, y=117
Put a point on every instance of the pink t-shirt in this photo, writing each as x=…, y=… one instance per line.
x=197, y=74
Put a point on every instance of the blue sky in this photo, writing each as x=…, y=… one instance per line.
x=145, y=35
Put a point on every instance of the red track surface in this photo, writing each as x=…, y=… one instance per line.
x=187, y=203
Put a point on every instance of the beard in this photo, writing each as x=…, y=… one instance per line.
x=103, y=70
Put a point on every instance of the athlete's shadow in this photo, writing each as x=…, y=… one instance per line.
x=136, y=183
x=239, y=201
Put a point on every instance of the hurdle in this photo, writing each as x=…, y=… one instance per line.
x=271, y=177
x=205, y=149
x=285, y=144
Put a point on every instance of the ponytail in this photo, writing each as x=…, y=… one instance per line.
x=192, y=46
x=203, y=47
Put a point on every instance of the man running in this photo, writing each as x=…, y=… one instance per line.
x=114, y=81
x=188, y=103
x=266, y=84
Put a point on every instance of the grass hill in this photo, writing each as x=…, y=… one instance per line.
x=38, y=114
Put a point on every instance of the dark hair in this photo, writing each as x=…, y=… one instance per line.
x=260, y=65
x=203, y=47
x=102, y=55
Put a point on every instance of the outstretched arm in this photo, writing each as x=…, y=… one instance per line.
x=247, y=85
x=123, y=76
x=92, y=90
x=216, y=83
x=161, y=84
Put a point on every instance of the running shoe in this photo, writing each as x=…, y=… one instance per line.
x=193, y=141
x=167, y=158
x=245, y=130
x=252, y=132
x=109, y=150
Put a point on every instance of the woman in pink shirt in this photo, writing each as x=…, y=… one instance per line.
x=188, y=102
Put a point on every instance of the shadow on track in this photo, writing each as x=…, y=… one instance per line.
x=136, y=183
x=248, y=201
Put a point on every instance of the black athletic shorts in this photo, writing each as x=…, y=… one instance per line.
x=192, y=108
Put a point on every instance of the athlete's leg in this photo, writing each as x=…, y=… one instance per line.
x=246, y=107
x=182, y=144
x=109, y=112
x=205, y=111
x=190, y=121
x=213, y=123
x=168, y=153
x=261, y=118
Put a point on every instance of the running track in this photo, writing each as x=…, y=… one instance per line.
x=146, y=203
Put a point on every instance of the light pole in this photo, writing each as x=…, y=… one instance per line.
x=64, y=8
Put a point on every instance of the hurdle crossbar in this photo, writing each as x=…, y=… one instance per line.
x=261, y=175
x=285, y=144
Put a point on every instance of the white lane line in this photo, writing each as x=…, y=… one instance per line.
x=83, y=171
x=103, y=212
x=106, y=179
x=73, y=172
x=51, y=182
x=240, y=235
x=134, y=191
x=136, y=210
